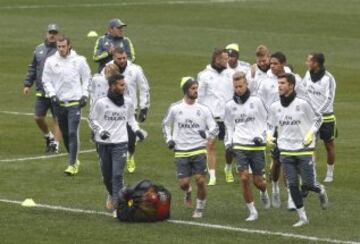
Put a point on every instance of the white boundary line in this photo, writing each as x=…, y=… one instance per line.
x=192, y=223
x=42, y=157
x=27, y=114
x=146, y=3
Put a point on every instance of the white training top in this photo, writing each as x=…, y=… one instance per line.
x=68, y=78
x=99, y=87
x=292, y=123
x=135, y=81
x=106, y=115
x=215, y=89
x=245, y=121
x=183, y=122
x=321, y=93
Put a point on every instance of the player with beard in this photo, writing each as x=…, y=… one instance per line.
x=187, y=127
x=215, y=89
x=136, y=82
x=109, y=118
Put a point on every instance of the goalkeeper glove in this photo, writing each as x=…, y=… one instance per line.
x=308, y=138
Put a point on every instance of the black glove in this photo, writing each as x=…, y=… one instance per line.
x=83, y=101
x=171, y=144
x=104, y=135
x=202, y=134
x=221, y=126
x=55, y=101
x=143, y=114
x=258, y=141
x=140, y=135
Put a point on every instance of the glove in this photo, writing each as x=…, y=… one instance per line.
x=258, y=141
x=171, y=144
x=83, y=101
x=143, y=114
x=221, y=126
x=104, y=135
x=140, y=135
x=270, y=140
x=55, y=101
x=202, y=134
x=308, y=138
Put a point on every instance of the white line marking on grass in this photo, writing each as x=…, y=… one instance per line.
x=44, y=156
x=28, y=114
x=192, y=223
x=94, y=5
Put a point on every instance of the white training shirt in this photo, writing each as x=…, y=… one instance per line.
x=135, y=81
x=292, y=124
x=68, y=78
x=321, y=93
x=269, y=88
x=215, y=89
x=99, y=87
x=106, y=115
x=183, y=122
x=241, y=66
x=245, y=121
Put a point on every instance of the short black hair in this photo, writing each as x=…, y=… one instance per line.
x=279, y=56
x=289, y=77
x=318, y=58
x=112, y=79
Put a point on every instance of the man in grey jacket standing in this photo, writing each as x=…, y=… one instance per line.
x=43, y=103
x=66, y=79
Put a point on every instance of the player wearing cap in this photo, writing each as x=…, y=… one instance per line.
x=106, y=44
x=66, y=80
x=215, y=88
x=296, y=123
x=187, y=126
x=320, y=87
x=108, y=119
x=43, y=103
x=136, y=83
x=245, y=121
x=234, y=61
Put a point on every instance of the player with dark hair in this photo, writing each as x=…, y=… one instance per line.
x=294, y=116
x=187, y=126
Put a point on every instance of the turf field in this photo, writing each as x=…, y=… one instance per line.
x=172, y=39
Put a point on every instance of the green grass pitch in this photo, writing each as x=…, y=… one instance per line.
x=172, y=39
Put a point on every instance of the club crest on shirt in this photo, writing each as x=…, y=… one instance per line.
x=198, y=113
x=297, y=108
x=251, y=106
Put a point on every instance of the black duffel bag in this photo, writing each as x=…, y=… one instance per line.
x=144, y=202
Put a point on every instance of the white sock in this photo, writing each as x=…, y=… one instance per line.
x=228, y=167
x=200, y=204
x=189, y=189
x=264, y=193
x=330, y=169
x=49, y=135
x=251, y=207
x=289, y=195
x=275, y=187
x=212, y=173
x=301, y=212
